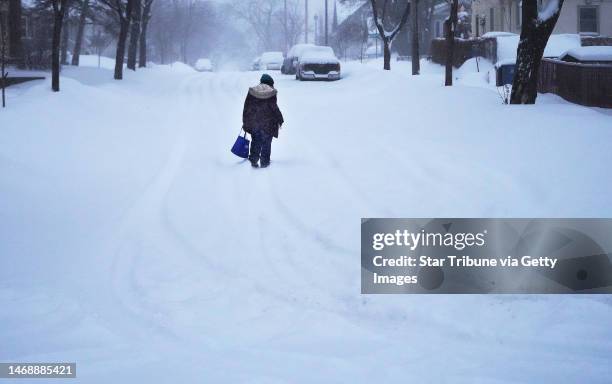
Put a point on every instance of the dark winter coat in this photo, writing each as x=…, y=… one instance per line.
x=261, y=111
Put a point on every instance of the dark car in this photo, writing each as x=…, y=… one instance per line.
x=289, y=66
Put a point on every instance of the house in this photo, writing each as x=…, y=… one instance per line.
x=351, y=27
x=441, y=12
x=586, y=17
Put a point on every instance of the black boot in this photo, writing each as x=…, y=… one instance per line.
x=254, y=164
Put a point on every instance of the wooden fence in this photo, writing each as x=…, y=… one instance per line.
x=585, y=84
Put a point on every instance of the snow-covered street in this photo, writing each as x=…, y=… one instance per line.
x=134, y=243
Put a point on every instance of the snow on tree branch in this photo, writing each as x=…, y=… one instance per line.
x=552, y=8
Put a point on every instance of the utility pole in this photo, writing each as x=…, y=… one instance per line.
x=306, y=21
x=316, y=29
x=326, y=24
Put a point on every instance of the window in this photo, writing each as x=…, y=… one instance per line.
x=437, y=28
x=588, y=20
x=492, y=19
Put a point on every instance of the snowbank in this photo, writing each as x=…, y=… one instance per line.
x=203, y=65
x=92, y=61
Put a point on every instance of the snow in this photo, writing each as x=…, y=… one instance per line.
x=318, y=55
x=272, y=57
x=203, y=65
x=556, y=46
x=550, y=9
x=498, y=34
x=347, y=8
x=594, y=53
x=297, y=49
x=134, y=243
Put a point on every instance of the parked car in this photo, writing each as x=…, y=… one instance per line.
x=290, y=63
x=204, y=65
x=318, y=63
x=271, y=61
x=256, y=64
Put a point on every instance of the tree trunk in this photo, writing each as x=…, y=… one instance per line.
x=64, y=45
x=58, y=21
x=142, y=45
x=450, y=25
x=15, y=45
x=121, y=40
x=134, y=34
x=534, y=36
x=386, y=55
x=120, y=55
x=76, y=51
x=416, y=65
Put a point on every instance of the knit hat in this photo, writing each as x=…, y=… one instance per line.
x=267, y=79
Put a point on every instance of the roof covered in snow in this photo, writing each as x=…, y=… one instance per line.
x=347, y=8
x=596, y=53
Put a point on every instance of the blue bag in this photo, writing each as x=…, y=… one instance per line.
x=241, y=146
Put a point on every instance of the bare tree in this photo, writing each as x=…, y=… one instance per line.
x=134, y=34
x=65, y=38
x=416, y=65
x=3, y=54
x=59, y=10
x=450, y=25
x=185, y=14
x=142, y=45
x=535, y=31
x=14, y=30
x=123, y=11
x=78, y=40
x=383, y=21
x=294, y=26
x=259, y=14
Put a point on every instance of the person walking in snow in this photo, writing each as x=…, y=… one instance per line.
x=262, y=119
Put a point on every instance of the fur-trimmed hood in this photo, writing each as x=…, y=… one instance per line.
x=262, y=91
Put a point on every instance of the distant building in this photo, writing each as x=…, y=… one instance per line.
x=586, y=17
x=351, y=28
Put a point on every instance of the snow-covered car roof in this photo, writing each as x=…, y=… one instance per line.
x=272, y=57
x=595, y=53
x=318, y=55
x=297, y=49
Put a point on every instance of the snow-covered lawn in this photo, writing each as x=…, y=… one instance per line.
x=134, y=243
